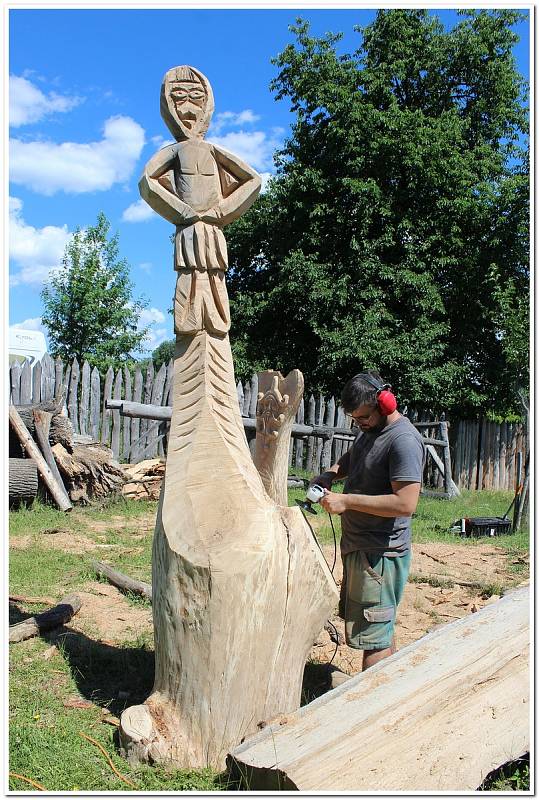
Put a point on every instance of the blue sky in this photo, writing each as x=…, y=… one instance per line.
x=84, y=119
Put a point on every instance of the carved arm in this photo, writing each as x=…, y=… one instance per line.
x=156, y=188
x=243, y=196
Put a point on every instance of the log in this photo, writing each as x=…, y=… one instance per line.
x=42, y=424
x=278, y=401
x=47, y=620
x=240, y=590
x=89, y=472
x=122, y=581
x=61, y=430
x=23, y=481
x=437, y=716
x=31, y=448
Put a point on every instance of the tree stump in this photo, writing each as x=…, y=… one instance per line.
x=23, y=480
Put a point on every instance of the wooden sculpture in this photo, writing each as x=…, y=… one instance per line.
x=278, y=401
x=240, y=589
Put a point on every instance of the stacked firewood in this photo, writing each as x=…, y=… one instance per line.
x=45, y=454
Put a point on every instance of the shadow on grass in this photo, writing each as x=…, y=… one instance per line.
x=111, y=676
x=16, y=615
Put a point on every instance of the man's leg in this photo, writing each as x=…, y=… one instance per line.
x=372, y=657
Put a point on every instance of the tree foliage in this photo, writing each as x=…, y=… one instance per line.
x=163, y=353
x=89, y=310
x=394, y=234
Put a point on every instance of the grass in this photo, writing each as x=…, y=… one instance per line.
x=45, y=741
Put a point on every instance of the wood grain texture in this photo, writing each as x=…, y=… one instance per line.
x=240, y=589
x=439, y=715
x=278, y=401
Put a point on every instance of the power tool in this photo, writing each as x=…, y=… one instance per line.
x=314, y=494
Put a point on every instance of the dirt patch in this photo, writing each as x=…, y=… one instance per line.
x=108, y=615
x=60, y=539
x=460, y=569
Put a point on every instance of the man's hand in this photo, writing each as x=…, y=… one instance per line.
x=334, y=503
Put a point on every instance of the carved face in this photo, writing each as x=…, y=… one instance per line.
x=186, y=102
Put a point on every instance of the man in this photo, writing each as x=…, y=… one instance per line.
x=383, y=471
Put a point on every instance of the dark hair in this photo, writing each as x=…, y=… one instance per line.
x=359, y=391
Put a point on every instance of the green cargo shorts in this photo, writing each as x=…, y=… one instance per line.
x=371, y=590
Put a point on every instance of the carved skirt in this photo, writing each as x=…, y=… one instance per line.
x=201, y=299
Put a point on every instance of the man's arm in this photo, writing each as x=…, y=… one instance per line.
x=402, y=502
x=337, y=472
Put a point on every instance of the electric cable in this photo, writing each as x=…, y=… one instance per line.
x=330, y=569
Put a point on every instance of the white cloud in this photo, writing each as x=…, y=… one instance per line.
x=232, y=119
x=28, y=104
x=73, y=167
x=157, y=333
x=35, y=251
x=138, y=212
x=149, y=316
x=265, y=179
x=32, y=324
x=146, y=266
x=160, y=141
x=255, y=147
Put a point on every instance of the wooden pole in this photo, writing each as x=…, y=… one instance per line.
x=42, y=424
x=47, y=620
x=43, y=468
x=123, y=581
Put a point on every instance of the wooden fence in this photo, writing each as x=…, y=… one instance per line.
x=484, y=455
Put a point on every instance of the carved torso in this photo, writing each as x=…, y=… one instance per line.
x=196, y=175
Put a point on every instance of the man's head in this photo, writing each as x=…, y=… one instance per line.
x=358, y=399
x=186, y=102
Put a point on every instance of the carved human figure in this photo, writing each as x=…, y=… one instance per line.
x=200, y=188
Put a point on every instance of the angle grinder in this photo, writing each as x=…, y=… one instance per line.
x=314, y=494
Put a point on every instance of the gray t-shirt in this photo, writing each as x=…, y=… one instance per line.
x=396, y=453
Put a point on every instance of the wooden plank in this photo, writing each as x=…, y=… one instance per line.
x=126, y=422
x=311, y=411
x=147, y=396
x=59, y=376
x=300, y=419
x=42, y=424
x=95, y=404
x=84, y=408
x=329, y=421
x=43, y=468
x=135, y=425
x=26, y=384
x=319, y=417
x=239, y=389
x=65, y=389
x=47, y=378
x=461, y=711
x=106, y=415
x=482, y=453
x=37, y=374
x=116, y=420
x=162, y=439
x=72, y=400
x=246, y=398
x=156, y=400
x=496, y=470
x=15, y=383
x=503, y=456
x=254, y=396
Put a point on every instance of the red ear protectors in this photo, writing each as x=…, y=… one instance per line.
x=385, y=399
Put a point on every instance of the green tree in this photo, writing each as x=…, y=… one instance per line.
x=89, y=310
x=399, y=205
x=163, y=353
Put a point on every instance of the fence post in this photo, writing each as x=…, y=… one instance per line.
x=84, y=398
x=311, y=409
x=37, y=374
x=72, y=403
x=116, y=419
x=26, y=383
x=95, y=403
x=135, y=425
x=106, y=413
x=328, y=443
x=126, y=438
